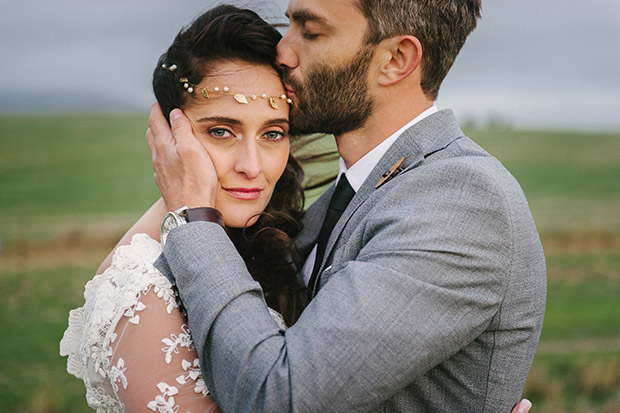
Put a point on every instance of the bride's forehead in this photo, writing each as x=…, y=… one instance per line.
x=242, y=74
x=245, y=87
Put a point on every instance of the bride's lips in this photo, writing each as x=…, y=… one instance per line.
x=245, y=194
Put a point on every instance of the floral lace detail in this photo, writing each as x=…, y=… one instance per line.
x=108, y=297
x=164, y=403
x=131, y=313
x=90, y=337
x=117, y=373
x=174, y=342
x=193, y=374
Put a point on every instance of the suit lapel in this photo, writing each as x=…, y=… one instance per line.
x=421, y=140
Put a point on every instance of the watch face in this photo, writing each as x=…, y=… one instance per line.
x=170, y=222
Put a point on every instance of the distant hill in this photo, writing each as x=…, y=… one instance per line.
x=53, y=101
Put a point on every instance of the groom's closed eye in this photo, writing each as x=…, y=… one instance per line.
x=303, y=17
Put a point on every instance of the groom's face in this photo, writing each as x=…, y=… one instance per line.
x=325, y=62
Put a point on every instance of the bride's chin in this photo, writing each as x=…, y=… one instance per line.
x=240, y=222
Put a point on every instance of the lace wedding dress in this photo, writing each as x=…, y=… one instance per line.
x=129, y=342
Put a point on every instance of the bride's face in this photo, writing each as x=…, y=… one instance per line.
x=248, y=143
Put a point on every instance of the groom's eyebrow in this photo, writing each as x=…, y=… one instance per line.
x=305, y=15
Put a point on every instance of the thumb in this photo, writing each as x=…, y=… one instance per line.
x=181, y=127
x=523, y=406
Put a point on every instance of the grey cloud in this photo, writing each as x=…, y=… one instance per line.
x=552, y=63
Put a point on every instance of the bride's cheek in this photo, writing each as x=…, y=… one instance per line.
x=283, y=158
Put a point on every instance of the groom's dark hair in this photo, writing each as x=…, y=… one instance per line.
x=442, y=26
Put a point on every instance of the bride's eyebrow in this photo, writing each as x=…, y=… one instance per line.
x=220, y=119
x=276, y=121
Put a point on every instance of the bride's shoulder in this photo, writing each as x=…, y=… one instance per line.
x=130, y=272
x=142, y=250
x=135, y=258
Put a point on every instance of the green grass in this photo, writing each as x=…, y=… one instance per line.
x=588, y=308
x=33, y=317
x=571, y=180
x=74, y=164
x=575, y=382
x=69, y=186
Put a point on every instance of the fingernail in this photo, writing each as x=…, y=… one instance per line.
x=175, y=114
x=524, y=406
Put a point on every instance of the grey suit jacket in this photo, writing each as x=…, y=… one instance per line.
x=432, y=293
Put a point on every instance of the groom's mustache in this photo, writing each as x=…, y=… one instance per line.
x=290, y=82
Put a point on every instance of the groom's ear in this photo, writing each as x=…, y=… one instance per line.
x=399, y=58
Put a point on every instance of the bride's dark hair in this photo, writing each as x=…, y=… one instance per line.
x=227, y=33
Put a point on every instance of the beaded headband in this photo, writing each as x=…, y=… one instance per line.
x=239, y=97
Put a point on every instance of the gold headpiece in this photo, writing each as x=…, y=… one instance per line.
x=239, y=97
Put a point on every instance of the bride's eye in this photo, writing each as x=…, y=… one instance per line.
x=274, y=135
x=220, y=133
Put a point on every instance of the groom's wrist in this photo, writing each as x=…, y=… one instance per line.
x=204, y=214
x=185, y=215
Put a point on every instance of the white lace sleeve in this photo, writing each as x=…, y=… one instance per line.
x=107, y=298
x=154, y=364
x=129, y=343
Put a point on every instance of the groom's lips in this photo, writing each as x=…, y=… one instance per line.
x=245, y=194
x=289, y=92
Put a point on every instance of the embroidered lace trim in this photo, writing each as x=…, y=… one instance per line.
x=89, y=339
x=113, y=310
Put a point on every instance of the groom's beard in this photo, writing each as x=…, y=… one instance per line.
x=332, y=100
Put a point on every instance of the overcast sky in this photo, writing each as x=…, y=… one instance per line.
x=530, y=63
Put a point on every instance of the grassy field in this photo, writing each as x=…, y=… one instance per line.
x=70, y=186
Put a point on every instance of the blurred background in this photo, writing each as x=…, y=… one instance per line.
x=537, y=85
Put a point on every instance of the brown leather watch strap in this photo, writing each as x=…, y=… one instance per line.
x=204, y=214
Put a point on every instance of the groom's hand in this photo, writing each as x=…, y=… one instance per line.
x=184, y=172
x=523, y=406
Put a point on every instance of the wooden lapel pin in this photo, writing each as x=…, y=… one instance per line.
x=394, y=170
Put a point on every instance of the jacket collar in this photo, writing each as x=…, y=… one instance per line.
x=428, y=136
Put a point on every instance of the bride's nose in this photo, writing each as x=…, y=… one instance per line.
x=248, y=159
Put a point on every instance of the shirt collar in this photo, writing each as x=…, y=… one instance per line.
x=359, y=171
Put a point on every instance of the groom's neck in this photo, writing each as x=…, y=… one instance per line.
x=388, y=117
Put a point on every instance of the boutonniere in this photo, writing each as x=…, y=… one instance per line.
x=392, y=172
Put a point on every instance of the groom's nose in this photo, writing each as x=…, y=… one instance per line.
x=286, y=55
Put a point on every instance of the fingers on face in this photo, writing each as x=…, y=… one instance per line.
x=182, y=131
x=155, y=115
x=160, y=130
x=149, y=139
x=171, y=144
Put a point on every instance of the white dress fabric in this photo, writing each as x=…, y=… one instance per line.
x=129, y=343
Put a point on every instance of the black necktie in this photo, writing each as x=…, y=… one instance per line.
x=340, y=199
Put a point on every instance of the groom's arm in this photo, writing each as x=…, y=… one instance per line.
x=381, y=321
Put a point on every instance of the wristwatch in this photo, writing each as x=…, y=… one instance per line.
x=184, y=215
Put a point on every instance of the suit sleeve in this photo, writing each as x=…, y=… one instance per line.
x=428, y=280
